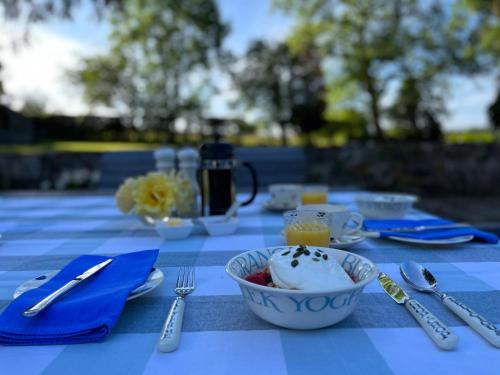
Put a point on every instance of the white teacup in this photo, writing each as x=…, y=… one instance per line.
x=286, y=196
x=341, y=220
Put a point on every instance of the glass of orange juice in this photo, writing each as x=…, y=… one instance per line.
x=314, y=194
x=307, y=228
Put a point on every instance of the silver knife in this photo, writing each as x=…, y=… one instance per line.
x=420, y=228
x=437, y=330
x=42, y=305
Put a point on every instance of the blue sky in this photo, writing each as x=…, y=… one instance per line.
x=37, y=70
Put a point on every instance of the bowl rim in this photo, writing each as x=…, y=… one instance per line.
x=263, y=288
x=186, y=223
x=210, y=220
x=368, y=197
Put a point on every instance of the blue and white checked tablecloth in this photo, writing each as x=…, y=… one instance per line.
x=220, y=334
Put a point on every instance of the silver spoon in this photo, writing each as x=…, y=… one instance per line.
x=232, y=210
x=421, y=279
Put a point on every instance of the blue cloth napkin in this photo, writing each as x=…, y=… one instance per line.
x=383, y=226
x=88, y=312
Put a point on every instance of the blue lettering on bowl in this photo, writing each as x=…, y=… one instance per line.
x=260, y=298
x=349, y=263
x=254, y=263
x=249, y=294
x=298, y=303
x=317, y=304
x=240, y=266
x=267, y=301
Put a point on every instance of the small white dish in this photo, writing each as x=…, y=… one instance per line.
x=346, y=242
x=154, y=279
x=446, y=241
x=384, y=205
x=174, y=232
x=272, y=206
x=218, y=225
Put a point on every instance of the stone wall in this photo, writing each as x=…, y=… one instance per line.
x=56, y=170
x=420, y=167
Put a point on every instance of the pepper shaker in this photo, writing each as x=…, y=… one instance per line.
x=189, y=190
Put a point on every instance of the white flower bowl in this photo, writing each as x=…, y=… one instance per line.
x=384, y=205
x=218, y=226
x=299, y=309
x=174, y=232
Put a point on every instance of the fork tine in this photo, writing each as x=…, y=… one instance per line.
x=185, y=285
x=191, y=278
x=183, y=281
x=180, y=278
x=185, y=276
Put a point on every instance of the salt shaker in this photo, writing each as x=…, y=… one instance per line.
x=188, y=205
x=165, y=159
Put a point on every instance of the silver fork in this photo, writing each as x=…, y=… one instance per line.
x=171, y=331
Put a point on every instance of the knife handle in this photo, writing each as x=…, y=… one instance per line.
x=171, y=333
x=368, y=234
x=44, y=303
x=477, y=322
x=437, y=330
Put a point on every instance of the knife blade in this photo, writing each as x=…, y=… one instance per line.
x=442, y=336
x=44, y=303
x=420, y=228
x=393, y=289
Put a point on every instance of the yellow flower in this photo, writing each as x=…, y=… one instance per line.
x=154, y=195
x=124, y=197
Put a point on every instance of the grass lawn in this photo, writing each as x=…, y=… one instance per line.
x=77, y=147
x=247, y=140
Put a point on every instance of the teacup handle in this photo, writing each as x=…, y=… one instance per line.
x=357, y=218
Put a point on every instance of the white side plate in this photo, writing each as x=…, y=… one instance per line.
x=346, y=242
x=155, y=278
x=447, y=241
x=343, y=243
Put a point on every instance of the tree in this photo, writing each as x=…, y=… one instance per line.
x=363, y=35
x=158, y=49
x=1, y=85
x=486, y=30
x=494, y=112
x=379, y=43
x=34, y=106
x=416, y=110
x=286, y=88
x=39, y=11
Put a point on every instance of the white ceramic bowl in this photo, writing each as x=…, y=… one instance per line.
x=217, y=225
x=284, y=196
x=174, y=232
x=298, y=309
x=384, y=205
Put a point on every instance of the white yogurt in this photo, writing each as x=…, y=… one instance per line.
x=311, y=270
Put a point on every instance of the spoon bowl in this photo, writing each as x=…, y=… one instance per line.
x=421, y=279
x=418, y=277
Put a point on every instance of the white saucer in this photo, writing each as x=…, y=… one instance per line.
x=155, y=278
x=273, y=207
x=346, y=242
x=446, y=241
